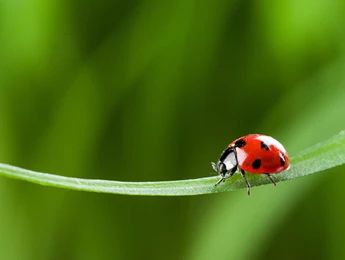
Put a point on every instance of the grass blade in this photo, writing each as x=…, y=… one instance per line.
x=322, y=156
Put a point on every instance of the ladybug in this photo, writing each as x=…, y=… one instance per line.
x=254, y=153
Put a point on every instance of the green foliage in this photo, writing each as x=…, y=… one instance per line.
x=143, y=91
x=320, y=157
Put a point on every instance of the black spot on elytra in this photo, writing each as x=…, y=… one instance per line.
x=282, y=159
x=256, y=164
x=265, y=146
x=240, y=143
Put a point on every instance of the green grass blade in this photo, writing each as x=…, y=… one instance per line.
x=320, y=157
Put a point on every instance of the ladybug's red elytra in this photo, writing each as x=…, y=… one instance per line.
x=254, y=153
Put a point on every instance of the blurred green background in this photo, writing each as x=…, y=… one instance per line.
x=154, y=90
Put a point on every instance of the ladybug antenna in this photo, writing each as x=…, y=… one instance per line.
x=214, y=166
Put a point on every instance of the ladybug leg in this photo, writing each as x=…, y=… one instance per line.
x=244, y=177
x=219, y=182
x=271, y=179
x=233, y=170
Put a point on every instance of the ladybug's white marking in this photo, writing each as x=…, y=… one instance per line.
x=230, y=161
x=241, y=155
x=271, y=141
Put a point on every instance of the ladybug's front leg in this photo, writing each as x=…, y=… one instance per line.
x=244, y=177
x=233, y=170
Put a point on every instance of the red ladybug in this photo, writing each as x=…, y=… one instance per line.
x=255, y=153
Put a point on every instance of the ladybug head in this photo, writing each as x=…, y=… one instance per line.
x=220, y=167
x=226, y=162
